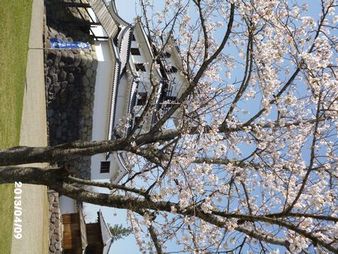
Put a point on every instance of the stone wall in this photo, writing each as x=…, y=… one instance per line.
x=70, y=81
x=55, y=228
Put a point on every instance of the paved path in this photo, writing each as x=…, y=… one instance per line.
x=34, y=133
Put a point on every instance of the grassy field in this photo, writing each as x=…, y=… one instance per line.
x=15, y=19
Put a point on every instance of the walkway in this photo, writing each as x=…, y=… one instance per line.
x=34, y=133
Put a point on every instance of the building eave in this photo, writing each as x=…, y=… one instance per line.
x=145, y=39
x=107, y=238
x=116, y=15
x=105, y=16
x=84, y=242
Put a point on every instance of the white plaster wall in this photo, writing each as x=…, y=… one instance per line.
x=101, y=111
x=95, y=167
x=138, y=58
x=102, y=97
x=103, y=90
x=135, y=44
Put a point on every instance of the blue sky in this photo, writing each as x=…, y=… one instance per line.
x=128, y=10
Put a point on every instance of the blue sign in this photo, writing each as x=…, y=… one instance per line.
x=60, y=44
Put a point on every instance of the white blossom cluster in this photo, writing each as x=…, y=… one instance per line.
x=253, y=165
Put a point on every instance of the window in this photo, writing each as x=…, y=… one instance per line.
x=135, y=51
x=165, y=54
x=141, y=98
x=173, y=69
x=133, y=37
x=115, y=40
x=137, y=118
x=140, y=67
x=105, y=166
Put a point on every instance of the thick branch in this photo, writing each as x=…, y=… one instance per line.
x=56, y=179
x=24, y=155
x=107, y=185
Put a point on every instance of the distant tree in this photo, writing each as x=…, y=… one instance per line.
x=252, y=163
x=118, y=231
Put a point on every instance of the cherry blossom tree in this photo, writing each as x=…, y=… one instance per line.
x=250, y=165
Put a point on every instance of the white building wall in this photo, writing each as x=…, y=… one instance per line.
x=103, y=93
x=102, y=99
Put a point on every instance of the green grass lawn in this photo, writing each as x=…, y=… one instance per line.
x=15, y=16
